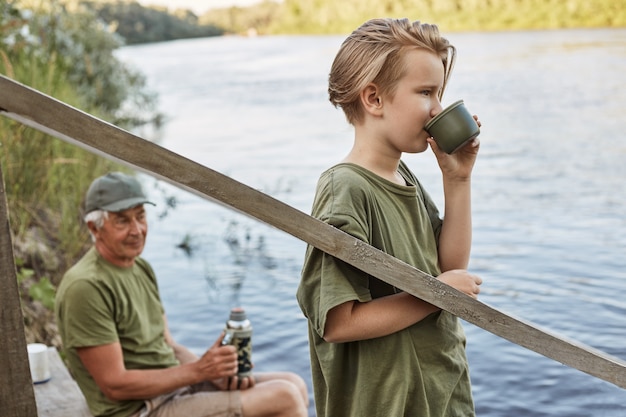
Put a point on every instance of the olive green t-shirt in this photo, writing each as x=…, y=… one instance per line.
x=420, y=371
x=98, y=303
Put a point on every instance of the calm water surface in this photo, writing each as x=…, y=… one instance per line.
x=549, y=198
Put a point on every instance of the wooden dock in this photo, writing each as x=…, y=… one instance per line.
x=60, y=396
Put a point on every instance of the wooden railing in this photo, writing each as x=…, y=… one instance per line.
x=51, y=116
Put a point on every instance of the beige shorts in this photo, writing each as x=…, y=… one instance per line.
x=200, y=400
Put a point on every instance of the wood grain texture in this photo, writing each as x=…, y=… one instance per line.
x=16, y=386
x=44, y=113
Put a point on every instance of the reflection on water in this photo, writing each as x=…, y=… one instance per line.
x=246, y=254
x=548, y=199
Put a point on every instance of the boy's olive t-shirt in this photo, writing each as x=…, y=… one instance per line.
x=419, y=371
x=99, y=303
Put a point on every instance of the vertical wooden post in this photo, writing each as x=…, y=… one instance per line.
x=17, y=397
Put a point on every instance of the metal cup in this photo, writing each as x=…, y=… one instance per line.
x=453, y=127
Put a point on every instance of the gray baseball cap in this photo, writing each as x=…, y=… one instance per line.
x=114, y=192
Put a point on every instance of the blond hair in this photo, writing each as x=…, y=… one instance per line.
x=374, y=53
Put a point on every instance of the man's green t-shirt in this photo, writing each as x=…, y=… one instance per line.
x=98, y=303
x=419, y=371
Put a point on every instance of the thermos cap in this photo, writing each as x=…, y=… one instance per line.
x=237, y=314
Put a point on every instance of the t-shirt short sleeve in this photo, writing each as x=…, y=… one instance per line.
x=87, y=312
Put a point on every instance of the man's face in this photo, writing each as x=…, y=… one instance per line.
x=122, y=237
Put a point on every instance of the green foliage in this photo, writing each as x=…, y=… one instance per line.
x=41, y=289
x=343, y=16
x=23, y=273
x=63, y=49
x=138, y=24
x=44, y=292
x=242, y=19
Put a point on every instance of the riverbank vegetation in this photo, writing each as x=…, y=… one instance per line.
x=138, y=24
x=65, y=48
x=342, y=16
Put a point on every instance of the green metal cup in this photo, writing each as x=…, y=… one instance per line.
x=453, y=127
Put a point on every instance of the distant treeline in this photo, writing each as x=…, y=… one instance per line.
x=140, y=24
x=343, y=16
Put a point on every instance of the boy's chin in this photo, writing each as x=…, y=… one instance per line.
x=418, y=148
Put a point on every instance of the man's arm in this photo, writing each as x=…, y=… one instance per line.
x=105, y=363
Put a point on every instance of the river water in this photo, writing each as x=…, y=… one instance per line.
x=548, y=197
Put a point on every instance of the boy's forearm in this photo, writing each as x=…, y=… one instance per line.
x=455, y=240
x=354, y=320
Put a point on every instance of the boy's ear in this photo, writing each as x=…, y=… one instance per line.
x=371, y=100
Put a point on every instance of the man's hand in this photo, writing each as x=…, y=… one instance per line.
x=235, y=383
x=218, y=361
x=232, y=381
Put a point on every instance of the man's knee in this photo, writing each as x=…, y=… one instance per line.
x=295, y=379
x=301, y=386
x=278, y=396
x=287, y=391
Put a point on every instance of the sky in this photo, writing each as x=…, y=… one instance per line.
x=198, y=6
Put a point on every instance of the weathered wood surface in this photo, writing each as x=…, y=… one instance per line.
x=46, y=114
x=16, y=387
x=60, y=396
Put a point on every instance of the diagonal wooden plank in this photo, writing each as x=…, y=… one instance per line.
x=44, y=113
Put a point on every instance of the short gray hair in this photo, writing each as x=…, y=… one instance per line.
x=97, y=217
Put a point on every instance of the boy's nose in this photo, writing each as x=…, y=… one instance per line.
x=436, y=109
